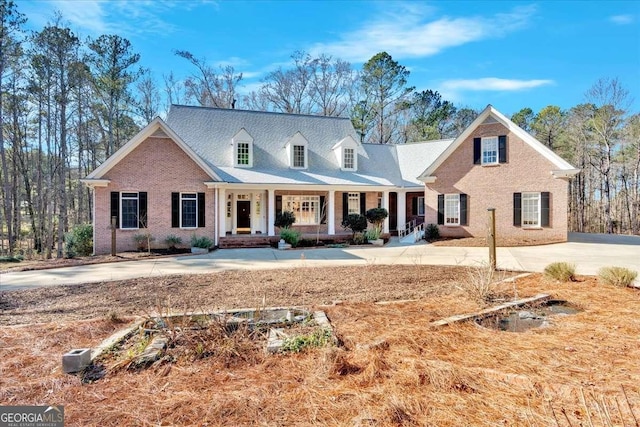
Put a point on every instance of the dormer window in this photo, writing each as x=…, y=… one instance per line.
x=299, y=156
x=348, y=158
x=243, y=150
x=347, y=154
x=296, y=148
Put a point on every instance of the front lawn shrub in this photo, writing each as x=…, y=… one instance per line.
x=561, y=271
x=318, y=338
x=143, y=241
x=431, y=232
x=372, y=234
x=172, y=241
x=480, y=283
x=376, y=216
x=290, y=236
x=617, y=276
x=359, y=239
x=285, y=219
x=355, y=222
x=201, y=242
x=79, y=241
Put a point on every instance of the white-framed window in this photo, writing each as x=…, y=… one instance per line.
x=489, y=153
x=531, y=210
x=299, y=156
x=421, y=205
x=451, y=209
x=188, y=210
x=305, y=208
x=243, y=152
x=348, y=158
x=129, y=210
x=353, y=203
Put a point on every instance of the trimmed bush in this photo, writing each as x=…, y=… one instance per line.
x=172, y=241
x=290, y=236
x=285, y=219
x=376, y=216
x=355, y=222
x=359, y=239
x=617, y=276
x=561, y=271
x=79, y=241
x=431, y=232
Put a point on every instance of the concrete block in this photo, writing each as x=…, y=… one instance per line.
x=76, y=360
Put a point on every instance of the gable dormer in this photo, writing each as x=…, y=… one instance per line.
x=346, y=152
x=297, y=151
x=242, y=149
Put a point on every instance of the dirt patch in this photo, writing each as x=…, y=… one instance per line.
x=392, y=368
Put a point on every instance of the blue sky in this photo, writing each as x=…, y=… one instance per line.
x=509, y=54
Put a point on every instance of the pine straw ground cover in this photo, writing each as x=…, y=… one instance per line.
x=392, y=367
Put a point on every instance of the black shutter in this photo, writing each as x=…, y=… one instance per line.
x=323, y=210
x=463, y=209
x=502, y=149
x=414, y=206
x=201, y=210
x=345, y=205
x=477, y=151
x=363, y=203
x=175, y=210
x=143, y=221
x=278, y=204
x=115, y=207
x=440, y=209
x=544, y=209
x=517, y=209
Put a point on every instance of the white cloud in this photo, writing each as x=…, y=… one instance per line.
x=408, y=33
x=492, y=84
x=621, y=19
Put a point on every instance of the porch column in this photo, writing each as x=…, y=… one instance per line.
x=385, y=205
x=222, y=212
x=331, y=213
x=401, y=209
x=271, y=213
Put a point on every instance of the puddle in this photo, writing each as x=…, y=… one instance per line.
x=529, y=317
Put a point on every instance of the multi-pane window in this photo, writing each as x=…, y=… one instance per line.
x=298, y=156
x=242, y=158
x=188, y=210
x=490, y=150
x=353, y=203
x=531, y=209
x=420, y=205
x=452, y=209
x=129, y=217
x=349, y=158
x=305, y=208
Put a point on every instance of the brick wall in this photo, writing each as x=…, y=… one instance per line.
x=159, y=167
x=493, y=187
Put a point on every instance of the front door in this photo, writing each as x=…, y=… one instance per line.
x=244, y=216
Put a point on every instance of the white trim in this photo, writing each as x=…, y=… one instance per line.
x=538, y=197
x=140, y=137
x=556, y=160
x=457, y=199
x=297, y=140
x=484, y=141
x=242, y=137
x=180, y=210
x=92, y=183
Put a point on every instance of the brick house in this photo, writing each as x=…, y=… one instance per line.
x=222, y=173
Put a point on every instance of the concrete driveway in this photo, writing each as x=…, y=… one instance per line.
x=588, y=252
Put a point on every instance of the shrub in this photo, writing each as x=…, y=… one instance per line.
x=79, y=241
x=201, y=242
x=372, y=233
x=431, y=232
x=376, y=216
x=355, y=222
x=284, y=219
x=143, y=241
x=480, y=283
x=562, y=271
x=359, y=239
x=290, y=236
x=172, y=241
x=11, y=258
x=617, y=276
x=318, y=338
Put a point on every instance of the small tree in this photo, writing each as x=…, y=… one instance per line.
x=285, y=219
x=376, y=216
x=355, y=222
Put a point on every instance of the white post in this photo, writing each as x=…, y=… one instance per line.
x=385, y=205
x=222, y=212
x=401, y=209
x=271, y=217
x=331, y=213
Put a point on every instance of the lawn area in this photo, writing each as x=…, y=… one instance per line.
x=391, y=367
